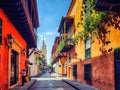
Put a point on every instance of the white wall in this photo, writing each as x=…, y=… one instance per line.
x=34, y=67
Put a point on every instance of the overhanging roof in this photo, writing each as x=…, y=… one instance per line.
x=108, y=5
x=18, y=13
x=69, y=19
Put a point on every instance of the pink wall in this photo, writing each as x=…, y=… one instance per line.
x=102, y=69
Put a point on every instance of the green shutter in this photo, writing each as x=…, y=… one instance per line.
x=75, y=71
x=87, y=72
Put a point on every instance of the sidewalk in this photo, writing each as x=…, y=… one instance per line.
x=78, y=85
x=25, y=87
x=75, y=84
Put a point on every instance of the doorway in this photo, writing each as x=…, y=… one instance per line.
x=117, y=68
x=14, y=70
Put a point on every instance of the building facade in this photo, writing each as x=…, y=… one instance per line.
x=16, y=25
x=95, y=53
x=34, y=67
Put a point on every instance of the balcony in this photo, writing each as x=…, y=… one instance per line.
x=57, y=57
x=65, y=23
x=64, y=35
x=107, y=5
x=65, y=45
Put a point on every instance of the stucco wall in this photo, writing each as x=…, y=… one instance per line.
x=8, y=28
x=102, y=72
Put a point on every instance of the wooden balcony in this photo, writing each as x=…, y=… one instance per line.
x=69, y=44
x=64, y=35
x=57, y=57
x=18, y=13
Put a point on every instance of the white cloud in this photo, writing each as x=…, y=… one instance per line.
x=50, y=33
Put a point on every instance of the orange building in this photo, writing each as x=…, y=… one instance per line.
x=95, y=53
x=17, y=35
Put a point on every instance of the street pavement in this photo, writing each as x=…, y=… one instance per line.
x=54, y=81
x=50, y=82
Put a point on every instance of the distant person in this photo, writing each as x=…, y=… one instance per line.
x=23, y=73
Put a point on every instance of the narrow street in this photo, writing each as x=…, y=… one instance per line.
x=50, y=82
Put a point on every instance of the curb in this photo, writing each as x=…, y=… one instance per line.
x=27, y=86
x=80, y=86
x=71, y=84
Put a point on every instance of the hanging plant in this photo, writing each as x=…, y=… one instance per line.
x=94, y=21
x=64, y=42
x=60, y=46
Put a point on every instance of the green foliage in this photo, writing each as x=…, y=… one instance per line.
x=39, y=59
x=70, y=39
x=63, y=43
x=93, y=21
x=40, y=62
x=60, y=46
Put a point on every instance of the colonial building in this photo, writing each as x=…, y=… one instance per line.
x=56, y=56
x=34, y=66
x=18, y=23
x=94, y=56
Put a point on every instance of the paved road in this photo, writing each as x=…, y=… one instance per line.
x=53, y=82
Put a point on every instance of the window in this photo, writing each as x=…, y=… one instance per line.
x=0, y=31
x=75, y=71
x=87, y=48
x=87, y=72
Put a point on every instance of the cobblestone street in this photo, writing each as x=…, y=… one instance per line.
x=50, y=82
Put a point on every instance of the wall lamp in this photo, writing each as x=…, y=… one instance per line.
x=75, y=55
x=9, y=40
x=23, y=52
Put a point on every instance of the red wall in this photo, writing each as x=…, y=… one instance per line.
x=8, y=28
x=102, y=69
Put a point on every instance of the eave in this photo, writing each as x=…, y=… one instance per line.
x=107, y=5
x=18, y=14
x=68, y=19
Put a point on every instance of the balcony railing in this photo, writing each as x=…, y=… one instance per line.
x=64, y=35
x=65, y=45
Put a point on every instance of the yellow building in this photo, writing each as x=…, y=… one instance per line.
x=90, y=43
x=97, y=44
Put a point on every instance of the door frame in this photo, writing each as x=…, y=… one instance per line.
x=16, y=46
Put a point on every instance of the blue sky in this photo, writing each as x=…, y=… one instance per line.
x=50, y=13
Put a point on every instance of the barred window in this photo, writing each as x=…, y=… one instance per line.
x=87, y=72
x=75, y=71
